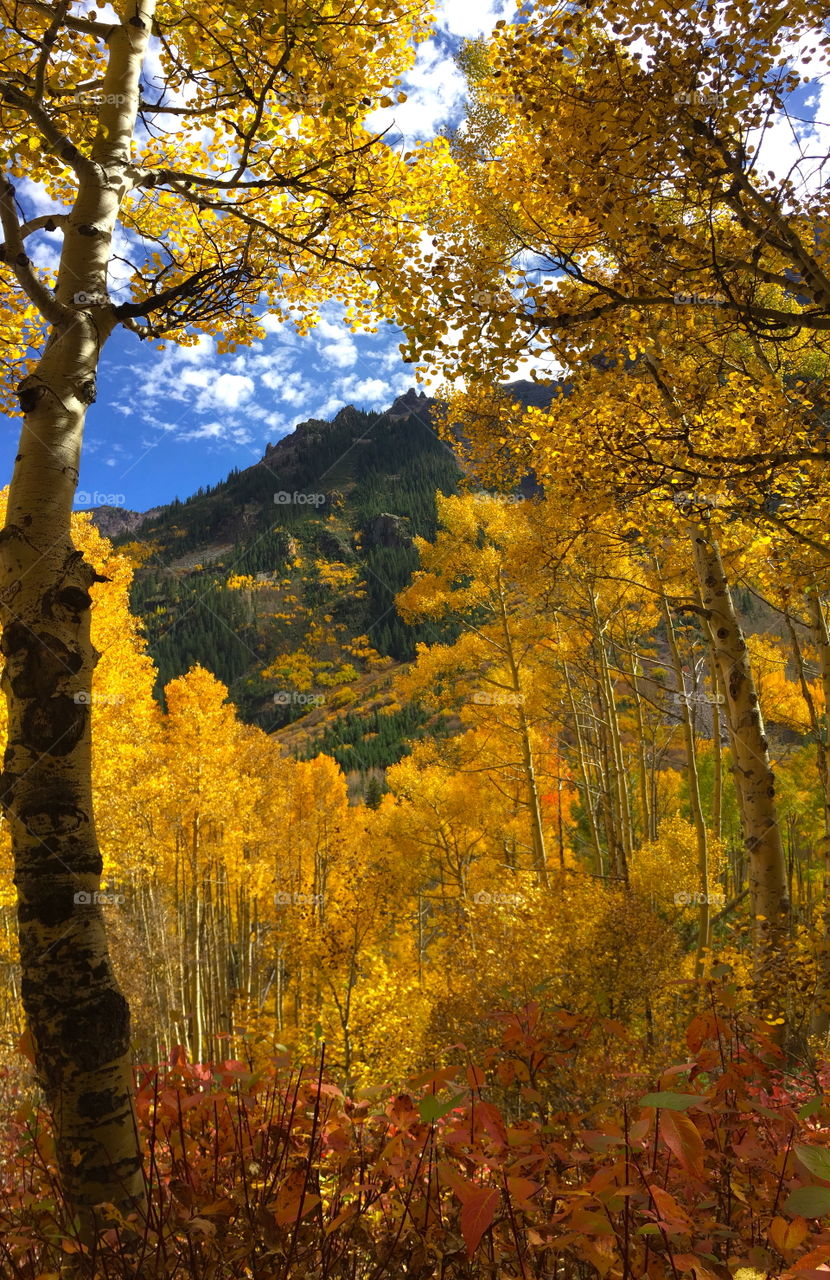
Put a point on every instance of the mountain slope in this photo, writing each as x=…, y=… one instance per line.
x=304, y=551
x=281, y=579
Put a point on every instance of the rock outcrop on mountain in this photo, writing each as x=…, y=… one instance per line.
x=412, y=401
x=387, y=530
x=112, y=522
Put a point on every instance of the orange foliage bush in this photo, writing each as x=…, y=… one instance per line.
x=489, y=1168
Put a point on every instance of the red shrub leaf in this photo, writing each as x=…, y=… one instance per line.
x=477, y=1215
x=681, y=1136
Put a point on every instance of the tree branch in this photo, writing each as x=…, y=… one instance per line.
x=15, y=255
x=46, y=222
x=102, y=30
x=57, y=141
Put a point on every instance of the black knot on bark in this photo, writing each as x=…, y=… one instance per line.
x=50, y=819
x=88, y=391
x=99, y=1027
x=55, y=726
x=8, y=782
x=104, y=1102
x=27, y=397
x=16, y=637
x=75, y=599
x=38, y=664
x=49, y=904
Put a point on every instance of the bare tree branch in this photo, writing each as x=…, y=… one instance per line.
x=15, y=256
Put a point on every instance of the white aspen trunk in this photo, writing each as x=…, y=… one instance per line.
x=717, y=763
x=754, y=777
x=77, y=1015
x=694, y=786
x=821, y=1015
x=645, y=805
x=540, y=861
x=583, y=771
x=622, y=835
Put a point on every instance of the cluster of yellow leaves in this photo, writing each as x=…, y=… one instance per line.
x=782, y=699
x=665, y=871
x=266, y=185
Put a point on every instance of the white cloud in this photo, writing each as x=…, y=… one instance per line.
x=125, y=247
x=340, y=346
x=205, y=431
x=203, y=350
x=364, y=393
x=327, y=328
x=196, y=377
x=435, y=91
x=435, y=86
x=45, y=255
x=272, y=324
x=342, y=353
x=278, y=426
x=291, y=388
x=469, y=18
x=228, y=391
x=373, y=391
x=34, y=198
x=797, y=149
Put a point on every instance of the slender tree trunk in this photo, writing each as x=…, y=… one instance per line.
x=608, y=793
x=754, y=777
x=77, y=1015
x=821, y=635
x=716, y=821
x=540, y=862
x=645, y=805
x=623, y=842
x=583, y=772
x=560, y=825
x=695, y=803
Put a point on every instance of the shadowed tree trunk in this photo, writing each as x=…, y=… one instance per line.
x=754, y=777
x=821, y=636
x=693, y=781
x=77, y=1016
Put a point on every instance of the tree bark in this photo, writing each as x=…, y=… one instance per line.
x=754, y=777
x=78, y=1018
x=818, y=620
x=622, y=833
x=695, y=804
x=590, y=814
x=534, y=804
x=717, y=759
x=645, y=798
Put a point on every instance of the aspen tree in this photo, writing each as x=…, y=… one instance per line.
x=268, y=191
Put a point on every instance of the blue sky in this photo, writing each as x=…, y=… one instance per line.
x=166, y=422
x=169, y=421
